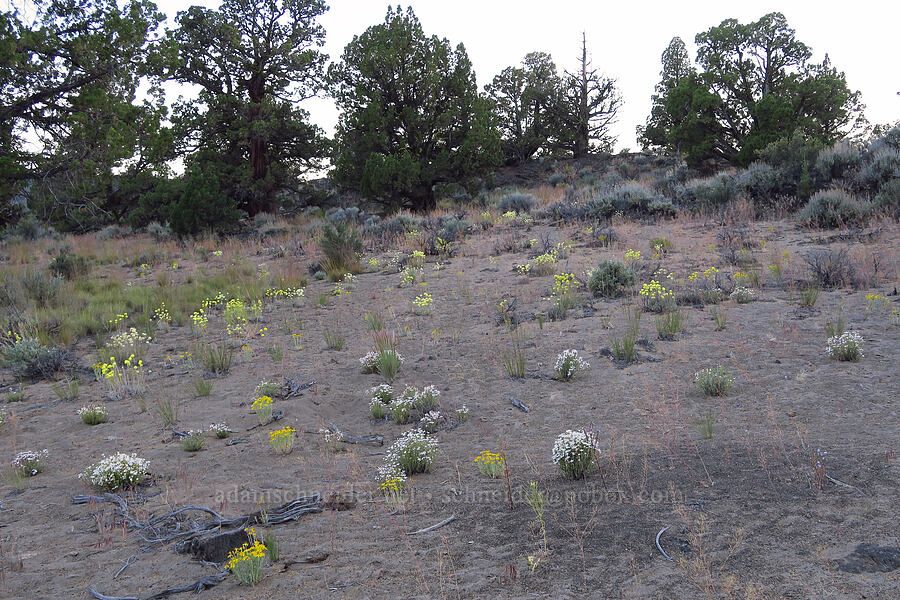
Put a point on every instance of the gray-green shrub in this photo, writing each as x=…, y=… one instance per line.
x=834, y=208
x=610, y=279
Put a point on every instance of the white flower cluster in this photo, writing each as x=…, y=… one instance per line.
x=413, y=452
x=220, y=430
x=390, y=471
x=93, y=409
x=117, y=471
x=29, y=462
x=383, y=393
x=431, y=421
x=847, y=346
x=462, y=413
x=569, y=364
x=369, y=362
x=427, y=399
x=742, y=295
x=129, y=339
x=573, y=453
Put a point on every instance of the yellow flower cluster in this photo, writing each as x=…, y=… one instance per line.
x=392, y=485
x=262, y=402
x=655, y=291
x=564, y=283
x=282, y=440
x=162, y=314
x=490, y=463
x=281, y=434
x=632, y=256
x=114, y=322
x=199, y=319
x=424, y=300
x=246, y=561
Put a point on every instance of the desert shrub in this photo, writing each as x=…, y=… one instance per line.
x=399, y=224
x=794, y=160
x=159, y=231
x=759, y=182
x=881, y=166
x=28, y=228
x=555, y=179
x=846, y=346
x=610, y=279
x=708, y=192
x=573, y=453
x=714, y=381
x=661, y=207
x=341, y=244
x=632, y=198
x=599, y=207
x=42, y=289
x=111, y=232
x=30, y=359
x=838, y=162
x=516, y=202
x=834, y=208
x=564, y=212
x=887, y=201
x=68, y=265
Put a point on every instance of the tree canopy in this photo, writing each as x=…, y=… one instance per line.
x=411, y=115
x=525, y=99
x=253, y=61
x=765, y=86
x=69, y=71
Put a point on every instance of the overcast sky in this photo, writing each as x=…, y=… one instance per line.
x=625, y=40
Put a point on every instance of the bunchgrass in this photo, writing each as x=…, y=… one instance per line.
x=333, y=340
x=720, y=317
x=201, y=387
x=669, y=324
x=215, y=358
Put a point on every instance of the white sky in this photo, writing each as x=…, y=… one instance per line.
x=625, y=40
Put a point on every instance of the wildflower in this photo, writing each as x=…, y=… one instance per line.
x=490, y=463
x=282, y=440
x=848, y=346
x=573, y=453
x=569, y=365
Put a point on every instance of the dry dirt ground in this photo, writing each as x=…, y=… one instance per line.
x=747, y=514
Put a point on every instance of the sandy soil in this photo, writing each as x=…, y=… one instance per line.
x=745, y=513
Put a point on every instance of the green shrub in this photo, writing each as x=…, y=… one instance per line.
x=41, y=288
x=610, y=279
x=341, y=244
x=68, y=265
x=834, y=208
